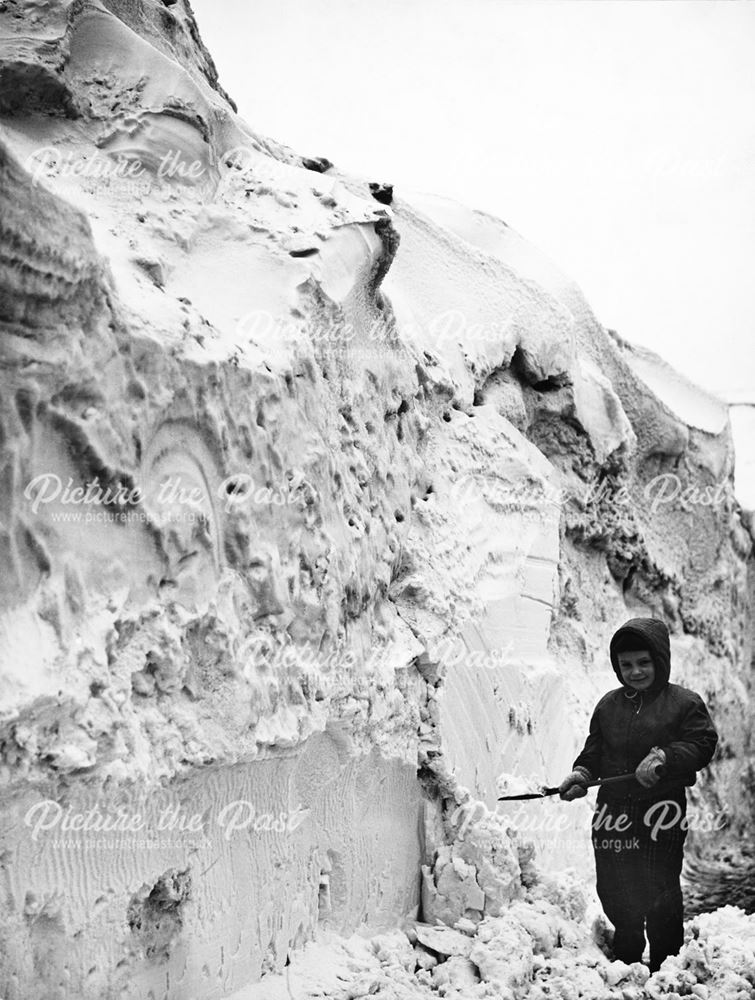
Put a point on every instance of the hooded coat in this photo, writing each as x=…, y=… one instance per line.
x=627, y=724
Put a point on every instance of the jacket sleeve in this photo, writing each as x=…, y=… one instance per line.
x=589, y=758
x=696, y=742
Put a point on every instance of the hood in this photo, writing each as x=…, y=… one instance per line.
x=652, y=634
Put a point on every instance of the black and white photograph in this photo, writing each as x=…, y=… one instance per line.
x=377, y=499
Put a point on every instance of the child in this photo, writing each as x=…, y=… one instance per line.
x=663, y=734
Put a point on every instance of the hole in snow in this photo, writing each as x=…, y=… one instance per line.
x=155, y=914
x=331, y=895
x=323, y=896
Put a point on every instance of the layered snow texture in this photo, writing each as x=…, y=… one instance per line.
x=318, y=512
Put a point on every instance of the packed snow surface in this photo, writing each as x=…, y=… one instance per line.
x=320, y=504
x=743, y=432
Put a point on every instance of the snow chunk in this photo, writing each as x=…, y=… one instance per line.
x=444, y=940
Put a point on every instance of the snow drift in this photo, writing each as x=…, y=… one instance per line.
x=319, y=506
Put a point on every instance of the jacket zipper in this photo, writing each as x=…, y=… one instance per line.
x=629, y=728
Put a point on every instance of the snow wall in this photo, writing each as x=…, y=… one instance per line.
x=319, y=507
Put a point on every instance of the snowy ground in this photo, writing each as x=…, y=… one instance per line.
x=545, y=946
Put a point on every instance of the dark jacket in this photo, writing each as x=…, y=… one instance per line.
x=626, y=724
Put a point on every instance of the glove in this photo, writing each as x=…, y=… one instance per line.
x=574, y=785
x=647, y=770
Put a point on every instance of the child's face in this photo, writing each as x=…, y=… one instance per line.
x=637, y=668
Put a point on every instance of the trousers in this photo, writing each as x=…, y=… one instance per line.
x=639, y=850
